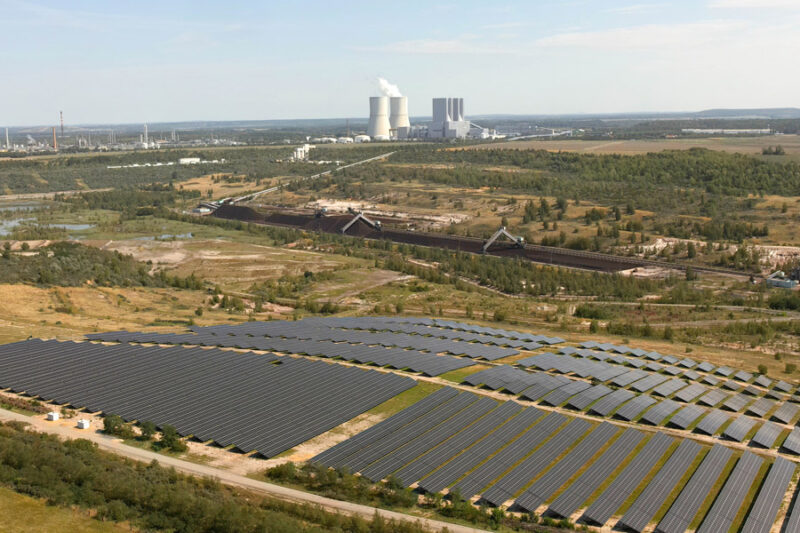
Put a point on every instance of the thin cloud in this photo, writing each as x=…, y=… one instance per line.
x=635, y=9
x=755, y=4
x=646, y=36
x=438, y=46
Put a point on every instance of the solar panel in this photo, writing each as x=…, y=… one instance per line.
x=792, y=442
x=582, y=400
x=648, y=382
x=690, y=393
x=705, y=366
x=762, y=515
x=736, y=403
x=763, y=381
x=711, y=423
x=712, y=398
x=741, y=375
x=199, y=391
x=786, y=412
x=739, y=429
x=634, y=408
x=479, y=478
x=655, y=493
x=406, y=453
x=767, y=434
x=409, y=432
x=760, y=407
x=628, y=480
x=543, y=488
x=473, y=456
x=662, y=410
x=669, y=387
x=504, y=488
x=579, y=491
x=605, y=405
x=562, y=394
x=684, y=418
x=687, y=504
x=428, y=462
x=730, y=499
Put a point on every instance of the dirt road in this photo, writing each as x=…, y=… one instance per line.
x=268, y=489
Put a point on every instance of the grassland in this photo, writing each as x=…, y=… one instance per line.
x=23, y=514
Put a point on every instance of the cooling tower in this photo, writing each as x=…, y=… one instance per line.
x=398, y=113
x=378, y=116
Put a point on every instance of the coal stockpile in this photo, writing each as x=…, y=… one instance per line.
x=335, y=223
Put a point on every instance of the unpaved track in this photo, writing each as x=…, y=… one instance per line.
x=229, y=478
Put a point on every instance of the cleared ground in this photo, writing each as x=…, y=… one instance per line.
x=747, y=145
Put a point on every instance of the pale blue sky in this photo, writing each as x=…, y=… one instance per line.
x=211, y=60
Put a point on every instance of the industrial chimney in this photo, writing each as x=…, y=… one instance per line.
x=398, y=113
x=378, y=126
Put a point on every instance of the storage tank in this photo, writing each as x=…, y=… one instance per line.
x=378, y=117
x=398, y=113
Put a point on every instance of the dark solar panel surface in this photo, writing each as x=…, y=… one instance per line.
x=655, y=493
x=544, y=488
x=626, y=482
x=687, y=504
x=578, y=492
x=439, y=455
x=398, y=457
x=669, y=387
x=405, y=434
x=634, y=408
x=480, y=451
x=768, y=502
x=730, y=499
x=739, y=428
x=514, y=480
x=605, y=405
x=686, y=416
x=712, y=422
x=479, y=478
x=200, y=391
x=792, y=442
x=767, y=434
x=335, y=455
x=662, y=410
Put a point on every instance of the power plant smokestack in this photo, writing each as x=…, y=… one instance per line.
x=55, y=141
x=398, y=113
x=8, y=144
x=378, y=117
x=145, y=134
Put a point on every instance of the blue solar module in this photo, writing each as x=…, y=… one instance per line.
x=730, y=499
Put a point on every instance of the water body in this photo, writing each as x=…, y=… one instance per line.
x=71, y=227
x=7, y=226
x=166, y=237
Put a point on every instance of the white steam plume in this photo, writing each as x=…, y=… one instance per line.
x=387, y=89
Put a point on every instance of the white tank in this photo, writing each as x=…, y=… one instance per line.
x=361, y=138
x=398, y=112
x=378, y=116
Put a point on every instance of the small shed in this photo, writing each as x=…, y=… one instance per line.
x=84, y=423
x=53, y=416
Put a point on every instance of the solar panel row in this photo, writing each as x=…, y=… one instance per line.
x=200, y=392
x=427, y=363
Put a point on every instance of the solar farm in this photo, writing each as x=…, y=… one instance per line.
x=602, y=434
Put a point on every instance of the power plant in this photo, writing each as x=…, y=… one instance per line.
x=378, y=126
x=388, y=119
x=448, y=119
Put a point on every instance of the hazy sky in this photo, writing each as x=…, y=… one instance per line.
x=152, y=61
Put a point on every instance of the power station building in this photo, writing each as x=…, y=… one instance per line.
x=448, y=119
x=388, y=119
